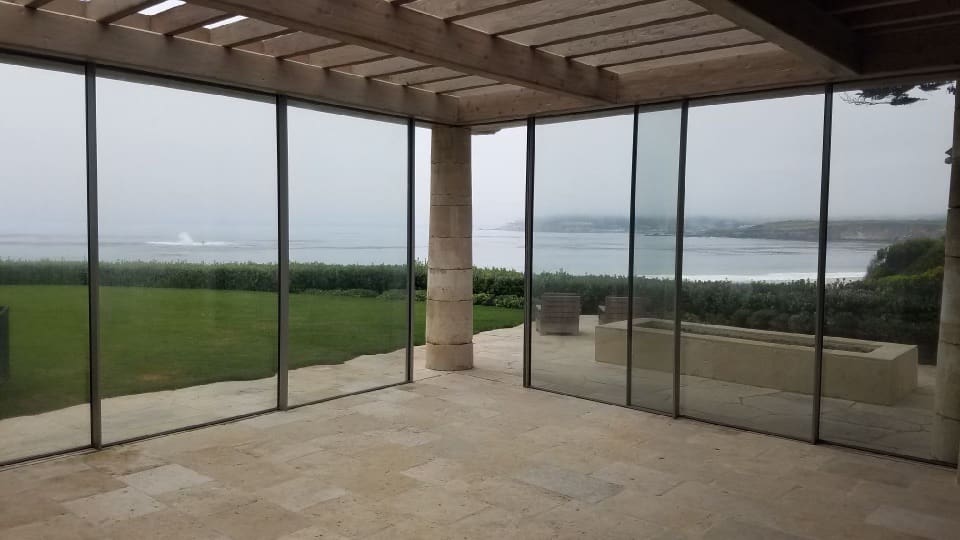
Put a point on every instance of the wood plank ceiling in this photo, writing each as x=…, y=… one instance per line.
x=473, y=61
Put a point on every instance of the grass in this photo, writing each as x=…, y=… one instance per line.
x=160, y=339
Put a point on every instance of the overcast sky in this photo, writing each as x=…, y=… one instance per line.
x=182, y=160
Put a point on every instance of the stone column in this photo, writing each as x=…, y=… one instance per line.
x=450, y=259
x=946, y=420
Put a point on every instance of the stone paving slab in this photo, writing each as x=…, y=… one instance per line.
x=471, y=457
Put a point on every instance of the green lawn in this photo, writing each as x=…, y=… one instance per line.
x=158, y=339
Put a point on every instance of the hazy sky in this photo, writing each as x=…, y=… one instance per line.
x=172, y=160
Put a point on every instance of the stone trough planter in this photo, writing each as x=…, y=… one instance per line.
x=853, y=369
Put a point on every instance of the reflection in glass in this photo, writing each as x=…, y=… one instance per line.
x=658, y=162
x=348, y=252
x=188, y=255
x=580, y=255
x=750, y=263
x=888, y=192
x=44, y=333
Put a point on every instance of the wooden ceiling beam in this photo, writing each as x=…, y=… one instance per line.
x=799, y=27
x=64, y=36
x=32, y=4
x=929, y=10
x=927, y=49
x=185, y=18
x=489, y=9
x=108, y=11
x=568, y=18
x=378, y=25
x=664, y=42
x=620, y=29
x=852, y=6
x=245, y=32
x=295, y=44
x=731, y=75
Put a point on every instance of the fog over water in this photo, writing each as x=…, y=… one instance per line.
x=191, y=176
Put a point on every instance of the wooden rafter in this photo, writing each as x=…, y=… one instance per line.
x=798, y=26
x=851, y=6
x=296, y=44
x=73, y=37
x=498, y=6
x=928, y=10
x=640, y=36
x=244, y=32
x=185, y=18
x=663, y=12
x=733, y=47
x=625, y=49
x=32, y=4
x=560, y=19
x=376, y=24
x=108, y=11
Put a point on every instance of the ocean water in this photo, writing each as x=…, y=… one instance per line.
x=704, y=258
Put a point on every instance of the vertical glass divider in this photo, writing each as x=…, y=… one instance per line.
x=93, y=253
x=283, y=256
x=631, y=242
x=822, y=261
x=678, y=263
x=528, y=254
x=411, y=241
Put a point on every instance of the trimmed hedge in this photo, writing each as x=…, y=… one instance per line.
x=897, y=308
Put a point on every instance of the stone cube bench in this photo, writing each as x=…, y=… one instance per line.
x=853, y=369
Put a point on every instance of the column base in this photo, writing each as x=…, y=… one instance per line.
x=449, y=357
x=946, y=433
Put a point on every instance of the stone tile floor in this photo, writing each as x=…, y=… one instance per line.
x=474, y=455
x=563, y=363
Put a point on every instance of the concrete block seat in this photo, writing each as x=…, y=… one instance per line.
x=853, y=369
x=558, y=313
x=614, y=309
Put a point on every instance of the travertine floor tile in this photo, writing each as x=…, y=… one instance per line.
x=474, y=456
x=435, y=505
x=164, y=479
x=260, y=520
x=113, y=506
x=569, y=483
x=299, y=493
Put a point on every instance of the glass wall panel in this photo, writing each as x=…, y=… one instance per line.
x=499, y=184
x=188, y=254
x=885, y=266
x=422, y=168
x=750, y=263
x=44, y=332
x=655, y=250
x=348, y=252
x=580, y=255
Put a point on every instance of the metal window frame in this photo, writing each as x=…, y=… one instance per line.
x=283, y=254
x=631, y=253
x=528, y=254
x=93, y=239
x=281, y=104
x=93, y=254
x=827, y=129
x=819, y=323
x=411, y=247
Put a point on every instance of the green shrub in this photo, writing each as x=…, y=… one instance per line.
x=901, y=308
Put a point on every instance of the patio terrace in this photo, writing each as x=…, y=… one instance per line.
x=474, y=455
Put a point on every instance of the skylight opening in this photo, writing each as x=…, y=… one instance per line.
x=231, y=20
x=161, y=7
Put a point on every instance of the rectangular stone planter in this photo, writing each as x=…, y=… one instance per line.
x=853, y=369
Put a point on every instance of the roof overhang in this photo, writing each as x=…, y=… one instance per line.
x=470, y=62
